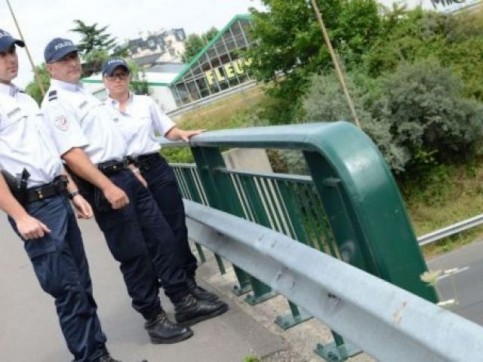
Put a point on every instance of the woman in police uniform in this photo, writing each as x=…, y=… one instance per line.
x=139, y=118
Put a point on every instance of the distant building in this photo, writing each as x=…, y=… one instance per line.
x=220, y=65
x=217, y=68
x=161, y=46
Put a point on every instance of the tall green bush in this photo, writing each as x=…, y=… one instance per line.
x=417, y=116
x=456, y=40
x=428, y=115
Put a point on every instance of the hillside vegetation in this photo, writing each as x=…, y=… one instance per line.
x=448, y=195
x=416, y=83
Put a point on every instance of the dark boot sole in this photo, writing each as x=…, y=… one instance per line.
x=157, y=340
x=223, y=308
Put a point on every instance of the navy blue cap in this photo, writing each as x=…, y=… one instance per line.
x=58, y=48
x=110, y=65
x=6, y=41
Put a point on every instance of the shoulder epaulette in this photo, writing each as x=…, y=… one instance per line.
x=52, y=95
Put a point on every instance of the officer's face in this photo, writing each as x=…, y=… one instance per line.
x=8, y=65
x=118, y=82
x=67, y=69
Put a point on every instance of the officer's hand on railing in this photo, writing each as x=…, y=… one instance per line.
x=82, y=207
x=175, y=134
x=31, y=228
x=116, y=197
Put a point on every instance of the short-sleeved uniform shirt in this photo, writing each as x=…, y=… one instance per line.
x=139, y=123
x=78, y=119
x=24, y=140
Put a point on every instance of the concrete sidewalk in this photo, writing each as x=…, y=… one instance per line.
x=29, y=329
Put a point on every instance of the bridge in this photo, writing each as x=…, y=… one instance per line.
x=337, y=245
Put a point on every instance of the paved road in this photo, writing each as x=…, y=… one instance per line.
x=29, y=330
x=466, y=285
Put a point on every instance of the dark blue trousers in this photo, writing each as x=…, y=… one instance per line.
x=136, y=239
x=60, y=264
x=162, y=184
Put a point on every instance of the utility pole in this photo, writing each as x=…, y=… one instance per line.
x=36, y=75
x=335, y=60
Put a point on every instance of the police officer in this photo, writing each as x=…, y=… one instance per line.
x=139, y=118
x=41, y=214
x=125, y=211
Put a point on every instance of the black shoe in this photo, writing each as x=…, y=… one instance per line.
x=162, y=330
x=191, y=310
x=107, y=358
x=200, y=293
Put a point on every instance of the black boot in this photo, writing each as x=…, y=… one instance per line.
x=190, y=310
x=200, y=293
x=108, y=358
x=162, y=330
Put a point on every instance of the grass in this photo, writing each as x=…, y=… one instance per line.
x=230, y=112
x=450, y=193
x=455, y=197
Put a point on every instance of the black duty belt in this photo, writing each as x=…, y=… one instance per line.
x=146, y=160
x=57, y=187
x=112, y=167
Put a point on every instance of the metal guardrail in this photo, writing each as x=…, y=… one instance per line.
x=397, y=325
x=450, y=230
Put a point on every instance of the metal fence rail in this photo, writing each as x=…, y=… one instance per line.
x=350, y=207
x=385, y=321
x=451, y=230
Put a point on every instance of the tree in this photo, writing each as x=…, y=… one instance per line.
x=95, y=46
x=33, y=88
x=194, y=43
x=289, y=42
x=93, y=38
x=456, y=40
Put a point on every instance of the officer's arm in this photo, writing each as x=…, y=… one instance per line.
x=27, y=226
x=81, y=165
x=82, y=207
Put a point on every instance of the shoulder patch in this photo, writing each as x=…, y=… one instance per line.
x=61, y=123
x=52, y=95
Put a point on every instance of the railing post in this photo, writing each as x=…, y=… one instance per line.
x=365, y=209
x=222, y=195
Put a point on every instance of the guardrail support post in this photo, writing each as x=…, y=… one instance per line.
x=222, y=195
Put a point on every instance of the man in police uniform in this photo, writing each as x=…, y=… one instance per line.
x=41, y=214
x=139, y=119
x=125, y=211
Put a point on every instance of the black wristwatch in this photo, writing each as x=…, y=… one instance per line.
x=73, y=194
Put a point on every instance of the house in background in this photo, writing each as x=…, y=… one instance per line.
x=220, y=67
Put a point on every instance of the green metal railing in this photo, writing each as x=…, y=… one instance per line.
x=349, y=207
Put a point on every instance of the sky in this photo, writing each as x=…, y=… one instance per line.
x=42, y=20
